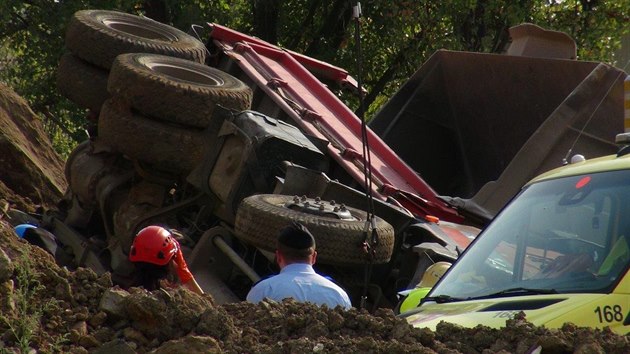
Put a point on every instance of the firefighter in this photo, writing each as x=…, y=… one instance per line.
x=295, y=255
x=157, y=256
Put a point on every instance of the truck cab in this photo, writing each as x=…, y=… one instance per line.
x=559, y=252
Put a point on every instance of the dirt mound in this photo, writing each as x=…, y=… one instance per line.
x=51, y=310
x=32, y=173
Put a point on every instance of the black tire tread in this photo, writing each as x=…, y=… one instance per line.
x=90, y=39
x=260, y=217
x=170, y=99
x=165, y=147
x=82, y=82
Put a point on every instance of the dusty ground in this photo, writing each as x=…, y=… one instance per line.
x=47, y=309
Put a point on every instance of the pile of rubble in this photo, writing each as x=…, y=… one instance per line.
x=51, y=309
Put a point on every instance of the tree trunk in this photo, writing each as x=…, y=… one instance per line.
x=266, y=19
x=333, y=29
x=310, y=14
x=157, y=10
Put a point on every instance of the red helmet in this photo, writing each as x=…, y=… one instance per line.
x=153, y=244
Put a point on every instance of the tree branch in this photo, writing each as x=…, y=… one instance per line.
x=11, y=30
x=266, y=19
x=394, y=66
x=312, y=9
x=333, y=28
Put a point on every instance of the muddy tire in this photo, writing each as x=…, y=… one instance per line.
x=259, y=218
x=174, y=89
x=80, y=150
x=82, y=82
x=98, y=36
x=163, y=146
x=79, y=181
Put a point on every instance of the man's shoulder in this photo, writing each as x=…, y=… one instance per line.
x=329, y=280
x=260, y=288
x=331, y=284
x=265, y=280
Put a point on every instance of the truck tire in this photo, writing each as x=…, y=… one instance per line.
x=259, y=218
x=174, y=89
x=99, y=36
x=163, y=146
x=80, y=150
x=82, y=82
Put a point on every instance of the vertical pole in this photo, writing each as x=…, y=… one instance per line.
x=626, y=104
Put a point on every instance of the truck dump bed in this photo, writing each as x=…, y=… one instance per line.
x=463, y=117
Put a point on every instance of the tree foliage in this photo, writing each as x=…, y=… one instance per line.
x=396, y=36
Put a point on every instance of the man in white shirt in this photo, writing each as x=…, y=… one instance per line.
x=296, y=254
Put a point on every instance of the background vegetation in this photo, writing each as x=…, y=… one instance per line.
x=396, y=37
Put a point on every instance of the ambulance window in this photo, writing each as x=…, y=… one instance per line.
x=565, y=235
x=568, y=230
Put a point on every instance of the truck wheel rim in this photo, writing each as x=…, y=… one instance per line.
x=144, y=30
x=319, y=207
x=189, y=74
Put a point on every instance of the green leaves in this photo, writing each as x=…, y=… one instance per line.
x=396, y=36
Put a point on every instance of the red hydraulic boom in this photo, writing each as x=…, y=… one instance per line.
x=287, y=78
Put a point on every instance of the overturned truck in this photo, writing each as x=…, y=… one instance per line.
x=226, y=141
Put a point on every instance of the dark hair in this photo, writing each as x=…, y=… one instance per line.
x=148, y=275
x=295, y=242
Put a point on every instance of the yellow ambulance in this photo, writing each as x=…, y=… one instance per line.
x=559, y=252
